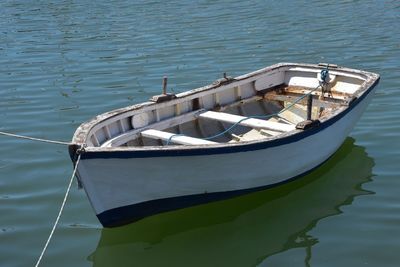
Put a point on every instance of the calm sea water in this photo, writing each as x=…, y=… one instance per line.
x=63, y=62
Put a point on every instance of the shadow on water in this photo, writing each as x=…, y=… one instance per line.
x=243, y=231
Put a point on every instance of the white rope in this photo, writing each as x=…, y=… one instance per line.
x=60, y=212
x=35, y=139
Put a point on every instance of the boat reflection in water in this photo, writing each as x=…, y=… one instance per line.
x=243, y=231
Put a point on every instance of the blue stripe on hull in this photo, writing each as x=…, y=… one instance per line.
x=128, y=214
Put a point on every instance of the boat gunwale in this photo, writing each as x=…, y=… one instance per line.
x=370, y=81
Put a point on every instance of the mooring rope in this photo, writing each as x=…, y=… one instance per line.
x=68, y=188
x=60, y=211
x=35, y=139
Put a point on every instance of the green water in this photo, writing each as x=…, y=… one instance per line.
x=63, y=62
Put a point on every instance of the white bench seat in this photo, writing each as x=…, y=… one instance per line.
x=176, y=138
x=167, y=123
x=246, y=121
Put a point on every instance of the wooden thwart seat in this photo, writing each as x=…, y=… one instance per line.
x=176, y=138
x=167, y=123
x=246, y=121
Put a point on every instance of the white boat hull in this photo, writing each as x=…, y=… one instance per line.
x=126, y=186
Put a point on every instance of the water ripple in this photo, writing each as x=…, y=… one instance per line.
x=64, y=62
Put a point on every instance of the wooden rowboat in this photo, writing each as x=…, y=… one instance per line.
x=235, y=136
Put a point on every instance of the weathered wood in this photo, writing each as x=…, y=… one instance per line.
x=107, y=131
x=174, y=138
x=291, y=97
x=246, y=121
x=164, y=85
x=292, y=115
x=238, y=93
x=164, y=124
x=308, y=124
x=303, y=90
x=309, y=106
x=94, y=140
x=240, y=103
x=162, y=98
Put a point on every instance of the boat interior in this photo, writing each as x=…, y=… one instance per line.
x=268, y=103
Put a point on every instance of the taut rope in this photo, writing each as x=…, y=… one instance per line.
x=60, y=211
x=35, y=139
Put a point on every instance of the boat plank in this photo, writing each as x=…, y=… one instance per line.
x=127, y=136
x=326, y=102
x=302, y=90
x=247, y=121
x=175, y=138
